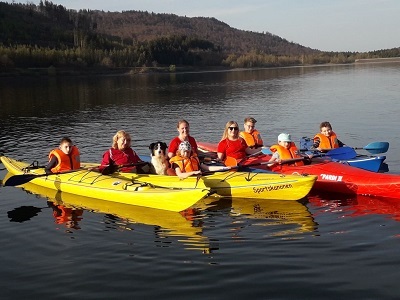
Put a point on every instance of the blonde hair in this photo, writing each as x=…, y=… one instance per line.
x=250, y=119
x=229, y=124
x=119, y=134
x=182, y=121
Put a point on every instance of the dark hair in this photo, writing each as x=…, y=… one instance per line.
x=325, y=124
x=65, y=139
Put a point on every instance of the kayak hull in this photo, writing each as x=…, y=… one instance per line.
x=339, y=178
x=369, y=163
x=86, y=183
x=335, y=177
x=250, y=185
x=366, y=162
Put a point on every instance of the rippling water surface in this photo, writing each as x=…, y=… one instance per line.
x=326, y=246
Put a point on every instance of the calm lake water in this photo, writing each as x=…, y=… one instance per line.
x=327, y=246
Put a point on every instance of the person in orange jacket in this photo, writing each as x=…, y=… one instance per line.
x=326, y=139
x=285, y=149
x=250, y=134
x=65, y=158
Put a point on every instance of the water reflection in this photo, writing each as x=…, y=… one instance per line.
x=356, y=206
x=276, y=213
x=69, y=210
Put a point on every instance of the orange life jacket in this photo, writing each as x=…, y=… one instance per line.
x=65, y=162
x=285, y=153
x=252, y=139
x=186, y=164
x=327, y=142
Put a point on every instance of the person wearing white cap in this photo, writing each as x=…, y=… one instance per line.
x=285, y=149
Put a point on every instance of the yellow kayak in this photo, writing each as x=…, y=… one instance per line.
x=87, y=183
x=171, y=224
x=250, y=185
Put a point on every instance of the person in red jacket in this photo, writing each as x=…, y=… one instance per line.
x=232, y=148
x=183, y=135
x=65, y=158
x=121, y=154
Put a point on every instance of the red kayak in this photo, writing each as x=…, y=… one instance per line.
x=332, y=176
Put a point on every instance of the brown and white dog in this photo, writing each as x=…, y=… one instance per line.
x=159, y=162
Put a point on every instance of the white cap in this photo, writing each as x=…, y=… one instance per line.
x=185, y=146
x=284, y=137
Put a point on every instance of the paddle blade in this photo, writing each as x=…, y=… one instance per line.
x=109, y=169
x=377, y=147
x=266, y=151
x=342, y=153
x=21, y=179
x=230, y=161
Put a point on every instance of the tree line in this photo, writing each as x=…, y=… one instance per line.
x=49, y=35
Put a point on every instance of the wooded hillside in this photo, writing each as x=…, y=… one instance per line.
x=48, y=34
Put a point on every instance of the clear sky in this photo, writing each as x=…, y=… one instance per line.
x=328, y=25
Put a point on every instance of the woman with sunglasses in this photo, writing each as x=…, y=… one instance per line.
x=232, y=148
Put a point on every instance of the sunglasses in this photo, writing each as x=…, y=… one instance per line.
x=233, y=128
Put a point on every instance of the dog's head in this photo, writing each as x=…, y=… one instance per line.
x=158, y=149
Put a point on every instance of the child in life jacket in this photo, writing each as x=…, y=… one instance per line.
x=185, y=163
x=326, y=139
x=250, y=134
x=285, y=149
x=65, y=158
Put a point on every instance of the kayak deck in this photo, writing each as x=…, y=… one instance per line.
x=88, y=183
x=250, y=185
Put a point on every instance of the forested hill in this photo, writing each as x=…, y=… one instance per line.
x=135, y=26
x=50, y=35
x=25, y=23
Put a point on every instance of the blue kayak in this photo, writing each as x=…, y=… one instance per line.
x=347, y=155
x=369, y=163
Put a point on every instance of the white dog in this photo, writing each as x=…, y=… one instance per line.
x=159, y=162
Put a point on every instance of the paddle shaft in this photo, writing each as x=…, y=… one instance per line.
x=24, y=178
x=285, y=161
x=114, y=168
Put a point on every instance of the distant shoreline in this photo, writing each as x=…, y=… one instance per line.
x=374, y=60
x=53, y=71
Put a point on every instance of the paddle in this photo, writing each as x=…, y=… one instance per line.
x=238, y=166
x=375, y=147
x=341, y=153
x=114, y=168
x=24, y=178
x=266, y=151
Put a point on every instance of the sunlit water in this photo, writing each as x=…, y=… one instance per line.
x=325, y=247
